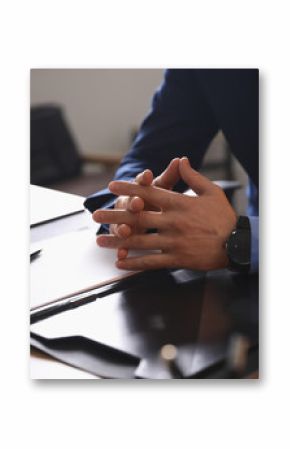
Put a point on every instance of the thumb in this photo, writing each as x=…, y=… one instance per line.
x=197, y=182
x=169, y=177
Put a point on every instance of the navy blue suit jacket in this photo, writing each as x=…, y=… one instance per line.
x=189, y=108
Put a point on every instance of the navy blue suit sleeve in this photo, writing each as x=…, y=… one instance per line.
x=180, y=123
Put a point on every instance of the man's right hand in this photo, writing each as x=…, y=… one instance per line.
x=166, y=180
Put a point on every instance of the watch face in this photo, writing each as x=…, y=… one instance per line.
x=238, y=247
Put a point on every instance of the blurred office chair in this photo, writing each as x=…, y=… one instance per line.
x=53, y=152
x=55, y=159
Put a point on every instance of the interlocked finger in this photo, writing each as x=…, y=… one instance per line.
x=145, y=219
x=148, y=262
x=145, y=241
x=152, y=195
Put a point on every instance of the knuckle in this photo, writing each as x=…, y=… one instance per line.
x=136, y=241
x=174, y=245
x=175, y=222
x=173, y=261
x=181, y=245
x=168, y=244
x=139, y=220
x=121, y=202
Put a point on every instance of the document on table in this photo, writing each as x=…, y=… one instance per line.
x=70, y=264
x=48, y=204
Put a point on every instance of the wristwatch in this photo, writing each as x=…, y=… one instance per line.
x=238, y=246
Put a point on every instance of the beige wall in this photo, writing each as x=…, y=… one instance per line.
x=102, y=106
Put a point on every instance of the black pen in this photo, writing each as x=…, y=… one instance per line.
x=35, y=254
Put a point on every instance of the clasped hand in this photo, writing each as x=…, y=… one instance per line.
x=190, y=231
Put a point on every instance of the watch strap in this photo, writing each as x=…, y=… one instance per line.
x=243, y=225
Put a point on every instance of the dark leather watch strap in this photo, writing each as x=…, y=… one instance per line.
x=243, y=223
x=243, y=226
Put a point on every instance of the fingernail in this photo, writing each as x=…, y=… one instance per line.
x=111, y=185
x=97, y=216
x=101, y=242
x=120, y=264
